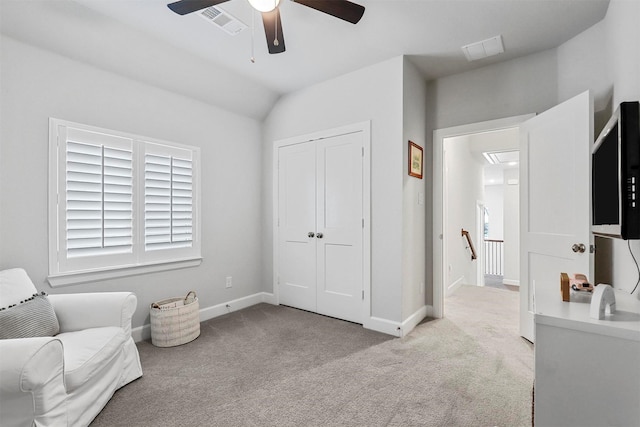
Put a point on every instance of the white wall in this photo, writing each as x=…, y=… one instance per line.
x=582, y=66
x=606, y=59
x=623, y=49
x=623, y=53
x=414, y=209
x=37, y=84
x=463, y=189
x=520, y=86
x=511, y=227
x=493, y=202
x=374, y=93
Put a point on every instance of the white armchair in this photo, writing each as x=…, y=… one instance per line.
x=66, y=379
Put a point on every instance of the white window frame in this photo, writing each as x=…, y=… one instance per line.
x=64, y=270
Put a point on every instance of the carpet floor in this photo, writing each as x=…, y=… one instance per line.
x=496, y=281
x=278, y=366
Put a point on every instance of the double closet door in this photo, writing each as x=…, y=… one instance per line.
x=320, y=226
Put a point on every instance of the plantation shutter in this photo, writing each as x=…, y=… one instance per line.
x=168, y=198
x=119, y=203
x=99, y=194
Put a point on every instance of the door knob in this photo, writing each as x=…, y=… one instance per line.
x=578, y=248
x=311, y=234
x=319, y=235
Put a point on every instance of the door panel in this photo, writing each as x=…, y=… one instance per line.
x=550, y=168
x=555, y=200
x=337, y=188
x=297, y=216
x=339, y=279
x=340, y=215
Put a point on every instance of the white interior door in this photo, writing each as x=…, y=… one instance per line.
x=555, y=200
x=321, y=226
x=297, y=225
x=340, y=226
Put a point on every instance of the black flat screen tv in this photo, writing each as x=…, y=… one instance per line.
x=616, y=175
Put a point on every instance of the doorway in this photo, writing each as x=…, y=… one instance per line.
x=481, y=177
x=446, y=221
x=501, y=234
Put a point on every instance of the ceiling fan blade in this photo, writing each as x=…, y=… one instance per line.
x=343, y=9
x=273, y=31
x=183, y=7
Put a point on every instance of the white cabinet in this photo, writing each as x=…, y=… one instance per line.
x=587, y=371
x=321, y=225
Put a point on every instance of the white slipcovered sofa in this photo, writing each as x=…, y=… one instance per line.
x=65, y=379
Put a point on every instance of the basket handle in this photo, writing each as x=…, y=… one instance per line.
x=186, y=298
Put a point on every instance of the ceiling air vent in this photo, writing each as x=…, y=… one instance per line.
x=484, y=48
x=223, y=20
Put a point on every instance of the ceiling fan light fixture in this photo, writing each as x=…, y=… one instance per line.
x=264, y=5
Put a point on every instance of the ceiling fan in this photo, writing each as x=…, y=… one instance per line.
x=342, y=9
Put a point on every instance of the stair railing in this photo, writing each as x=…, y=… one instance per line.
x=493, y=255
x=465, y=233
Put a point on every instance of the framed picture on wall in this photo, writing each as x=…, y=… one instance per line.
x=415, y=160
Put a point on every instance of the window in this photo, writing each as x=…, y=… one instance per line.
x=168, y=198
x=119, y=204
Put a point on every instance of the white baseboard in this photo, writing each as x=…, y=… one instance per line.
x=235, y=305
x=143, y=332
x=455, y=285
x=385, y=326
x=398, y=329
x=430, y=311
x=413, y=320
x=389, y=327
x=511, y=282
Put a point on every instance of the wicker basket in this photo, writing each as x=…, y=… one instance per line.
x=175, y=321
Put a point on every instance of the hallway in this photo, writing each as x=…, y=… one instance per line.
x=491, y=316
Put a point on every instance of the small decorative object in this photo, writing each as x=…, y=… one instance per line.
x=576, y=285
x=603, y=297
x=564, y=287
x=579, y=282
x=175, y=321
x=415, y=160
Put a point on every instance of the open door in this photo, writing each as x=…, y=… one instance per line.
x=555, y=159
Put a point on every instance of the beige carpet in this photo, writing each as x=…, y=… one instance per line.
x=491, y=316
x=278, y=366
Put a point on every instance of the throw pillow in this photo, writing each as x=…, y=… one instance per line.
x=33, y=317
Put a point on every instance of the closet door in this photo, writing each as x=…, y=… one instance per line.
x=297, y=226
x=320, y=232
x=339, y=226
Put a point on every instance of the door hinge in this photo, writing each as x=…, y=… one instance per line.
x=363, y=294
x=362, y=151
x=592, y=249
x=362, y=222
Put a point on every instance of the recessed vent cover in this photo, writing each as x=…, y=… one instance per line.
x=484, y=48
x=223, y=20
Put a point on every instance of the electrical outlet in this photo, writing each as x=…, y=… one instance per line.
x=229, y=282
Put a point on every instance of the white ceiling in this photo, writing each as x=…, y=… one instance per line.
x=319, y=47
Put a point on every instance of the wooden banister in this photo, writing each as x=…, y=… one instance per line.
x=465, y=233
